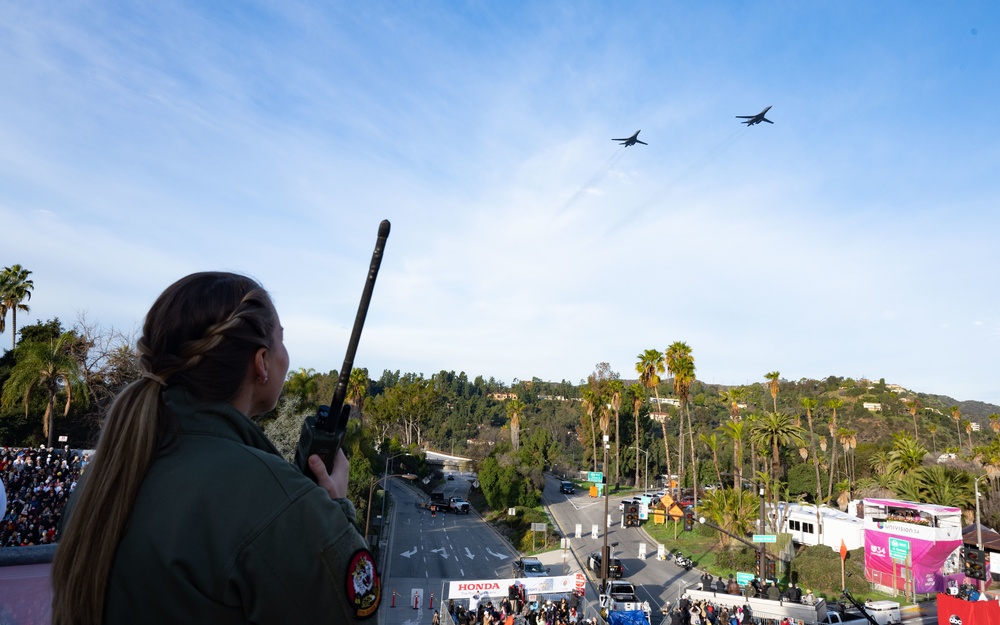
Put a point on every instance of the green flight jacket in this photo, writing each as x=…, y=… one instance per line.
x=227, y=531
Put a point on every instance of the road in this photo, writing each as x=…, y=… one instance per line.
x=424, y=551
x=657, y=582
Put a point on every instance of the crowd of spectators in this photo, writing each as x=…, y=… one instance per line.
x=38, y=482
x=517, y=609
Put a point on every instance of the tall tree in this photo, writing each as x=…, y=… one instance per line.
x=712, y=442
x=649, y=367
x=617, y=389
x=736, y=431
x=357, y=392
x=51, y=368
x=956, y=414
x=590, y=402
x=677, y=356
x=773, y=385
x=932, y=430
x=833, y=403
x=15, y=289
x=734, y=397
x=514, y=408
x=775, y=430
x=810, y=404
x=637, y=395
x=913, y=407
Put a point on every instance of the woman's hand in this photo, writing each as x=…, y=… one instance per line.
x=335, y=483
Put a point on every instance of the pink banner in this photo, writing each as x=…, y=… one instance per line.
x=926, y=557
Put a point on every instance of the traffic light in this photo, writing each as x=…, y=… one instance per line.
x=631, y=516
x=688, y=520
x=757, y=572
x=772, y=569
x=976, y=563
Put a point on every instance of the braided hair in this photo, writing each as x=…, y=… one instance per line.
x=201, y=333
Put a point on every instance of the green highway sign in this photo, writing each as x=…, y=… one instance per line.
x=595, y=476
x=899, y=548
x=765, y=538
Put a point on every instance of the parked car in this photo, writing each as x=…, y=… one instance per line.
x=615, y=570
x=567, y=488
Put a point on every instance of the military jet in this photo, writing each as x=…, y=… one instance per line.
x=631, y=140
x=756, y=119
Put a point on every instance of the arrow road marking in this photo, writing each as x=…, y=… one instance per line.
x=502, y=556
x=468, y=554
x=440, y=552
x=407, y=554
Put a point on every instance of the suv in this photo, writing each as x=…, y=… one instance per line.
x=530, y=567
x=615, y=570
x=567, y=488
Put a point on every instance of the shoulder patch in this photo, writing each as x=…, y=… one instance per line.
x=364, y=588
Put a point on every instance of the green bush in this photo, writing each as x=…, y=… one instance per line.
x=818, y=568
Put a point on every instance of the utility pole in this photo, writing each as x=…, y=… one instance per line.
x=761, y=556
x=604, y=550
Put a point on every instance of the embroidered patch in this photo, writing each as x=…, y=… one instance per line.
x=364, y=589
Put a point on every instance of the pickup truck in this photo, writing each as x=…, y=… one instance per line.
x=458, y=505
x=619, y=595
x=530, y=567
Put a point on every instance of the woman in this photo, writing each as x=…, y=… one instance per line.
x=187, y=513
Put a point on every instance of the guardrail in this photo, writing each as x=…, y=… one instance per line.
x=25, y=589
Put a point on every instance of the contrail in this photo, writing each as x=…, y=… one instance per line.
x=597, y=176
x=697, y=165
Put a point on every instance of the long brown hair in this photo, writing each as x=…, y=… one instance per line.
x=202, y=334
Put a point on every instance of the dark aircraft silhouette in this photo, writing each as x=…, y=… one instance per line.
x=756, y=119
x=631, y=140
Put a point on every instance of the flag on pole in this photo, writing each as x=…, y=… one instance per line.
x=843, y=550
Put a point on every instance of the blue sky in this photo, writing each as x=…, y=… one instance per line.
x=856, y=236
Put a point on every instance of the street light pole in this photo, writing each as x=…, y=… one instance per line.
x=388, y=458
x=645, y=478
x=371, y=492
x=604, y=551
x=979, y=528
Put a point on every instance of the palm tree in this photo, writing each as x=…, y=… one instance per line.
x=905, y=456
x=15, y=288
x=712, y=442
x=833, y=403
x=773, y=385
x=733, y=510
x=590, y=400
x=736, y=431
x=617, y=389
x=514, y=408
x=913, y=408
x=50, y=367
x=848, y=440
x=967, y=426
x=302, y=384
x=681, y=367
x=637, y=395
x=810, y=404
x=776, y=430
x=995, y=423
x=932, y=430
x=357, y=391
x=649, y=367
x=956, y=414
